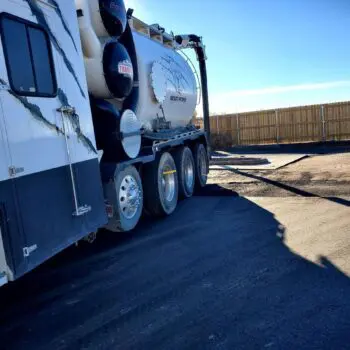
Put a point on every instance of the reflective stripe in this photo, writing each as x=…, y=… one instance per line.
x=169, y=172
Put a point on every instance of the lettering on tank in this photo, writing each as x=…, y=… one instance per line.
x=178, y=99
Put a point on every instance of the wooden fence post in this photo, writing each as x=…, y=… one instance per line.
x=277, y=127
x=323, y=124
x=238, y=130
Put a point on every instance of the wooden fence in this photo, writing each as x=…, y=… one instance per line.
x=327, y=122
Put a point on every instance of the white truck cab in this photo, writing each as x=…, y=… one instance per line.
x=50, y=188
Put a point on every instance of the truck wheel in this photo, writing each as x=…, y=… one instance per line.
x=186, y=171
x=161, y=185
x=125, y=199
x=201, y=162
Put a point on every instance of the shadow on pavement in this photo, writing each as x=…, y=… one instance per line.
x=214, y=190
x=289, y=188
x=215, y=274
x=329, y=147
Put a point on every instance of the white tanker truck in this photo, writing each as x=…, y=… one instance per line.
x=95, y=124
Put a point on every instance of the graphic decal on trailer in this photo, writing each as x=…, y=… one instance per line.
x=74, y=120
x=174, y=74
x=64, y=23
x=33, y=109
x=40, y=16
x=37, y=114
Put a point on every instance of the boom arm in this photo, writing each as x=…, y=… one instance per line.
x=195, y=42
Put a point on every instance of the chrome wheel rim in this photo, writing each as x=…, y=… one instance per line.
x=129, y=197
x=168, y=183
x=189, y=174
x=203, y=165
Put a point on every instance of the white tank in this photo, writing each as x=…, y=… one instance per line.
x=166, y=84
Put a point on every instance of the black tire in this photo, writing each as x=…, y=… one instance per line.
x=157, y=203
x=201, y=162
x=186, y=171
x=123, y=193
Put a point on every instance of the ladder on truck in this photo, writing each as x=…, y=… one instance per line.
x=79, y=209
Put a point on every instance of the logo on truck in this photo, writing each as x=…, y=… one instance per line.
x=178, y=99
x=125, y=68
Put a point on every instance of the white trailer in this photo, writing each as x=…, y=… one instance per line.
x=95, y=111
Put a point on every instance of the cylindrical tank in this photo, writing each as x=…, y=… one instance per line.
x=108, y=17
x=118, y=70
x=110, y=74
x=109, y=70
x=167, y=85
x=161, y=90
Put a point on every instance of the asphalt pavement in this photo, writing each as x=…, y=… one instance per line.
x=228, y=270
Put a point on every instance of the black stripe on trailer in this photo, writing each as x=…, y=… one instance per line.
x=64, y=23
x=37, y=213
x=40, y=16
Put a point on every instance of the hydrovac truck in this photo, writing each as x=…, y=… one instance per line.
x=95, y=124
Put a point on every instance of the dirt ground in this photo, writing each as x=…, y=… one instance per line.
x=318, y=175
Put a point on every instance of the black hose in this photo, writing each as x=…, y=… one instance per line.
x=200, y=52
x=205, y=94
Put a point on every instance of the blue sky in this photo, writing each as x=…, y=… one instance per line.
x=264, y=53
